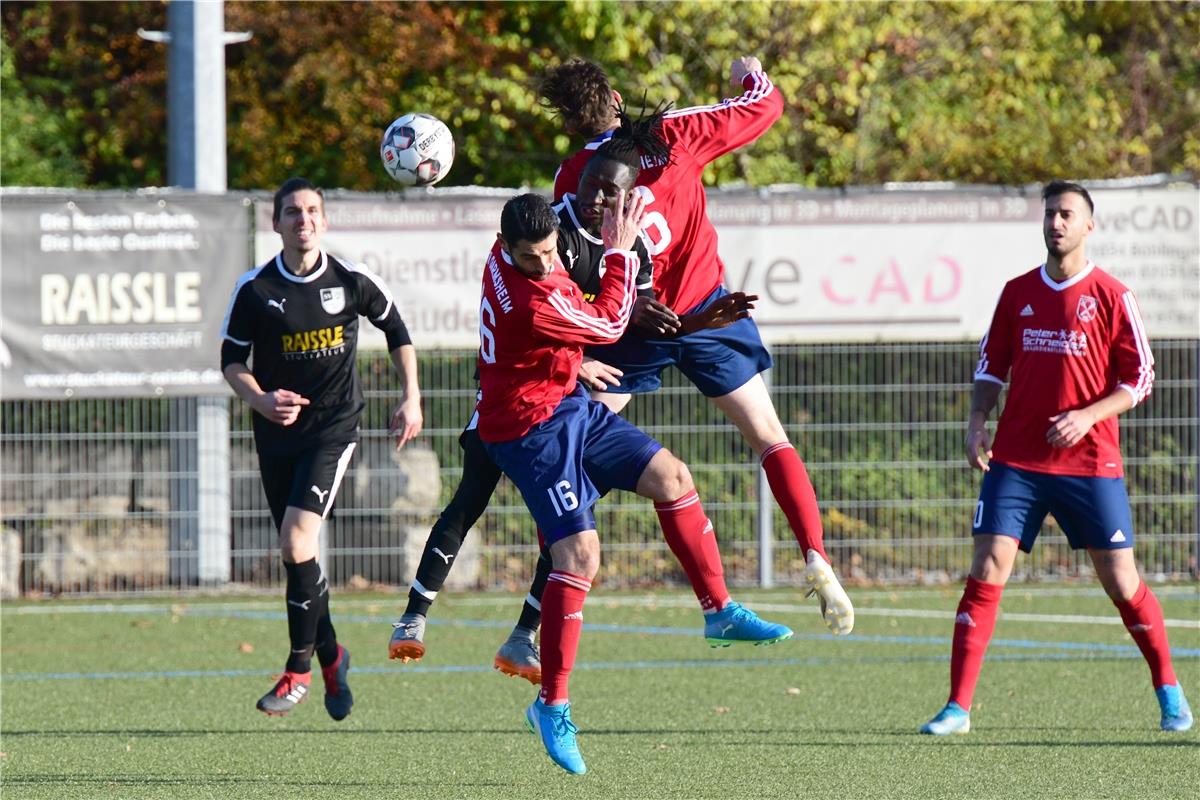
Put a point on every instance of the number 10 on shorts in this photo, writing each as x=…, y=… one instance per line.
x=562, y=498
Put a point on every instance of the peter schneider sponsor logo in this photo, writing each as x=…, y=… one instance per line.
x=1086, y=308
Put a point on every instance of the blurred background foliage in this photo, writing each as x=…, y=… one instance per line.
x=979, y=92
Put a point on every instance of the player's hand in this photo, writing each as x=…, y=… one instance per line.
x=407, y=421
x=722, y=313
x=597, y=375
x=1068, y=428
x=742, y=67
x=621, y=226
x=979, y=446
x=281, y=406
x=651, y=318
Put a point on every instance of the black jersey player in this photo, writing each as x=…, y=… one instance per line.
x=295, y=319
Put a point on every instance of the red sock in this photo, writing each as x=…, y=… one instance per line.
x=973, y=626
x=562, y=622
x=1144, y=620
x=690, y=535
x=794, y=493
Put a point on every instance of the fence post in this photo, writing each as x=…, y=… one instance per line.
x=212, y=444
x=766, y=517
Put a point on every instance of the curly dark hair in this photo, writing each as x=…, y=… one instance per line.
x=638, y=140
x=579, y=92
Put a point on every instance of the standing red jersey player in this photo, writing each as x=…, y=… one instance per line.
x=1069, y=338
x=726, y=363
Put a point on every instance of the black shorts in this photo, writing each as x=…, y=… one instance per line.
x=308, y=480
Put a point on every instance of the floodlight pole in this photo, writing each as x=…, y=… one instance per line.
x=200, y=537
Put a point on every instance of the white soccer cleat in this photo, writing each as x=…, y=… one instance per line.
x=836, y=608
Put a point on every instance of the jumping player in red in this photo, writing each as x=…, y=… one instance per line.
x=725, y=364
x=1069, y=338
x=562, y=450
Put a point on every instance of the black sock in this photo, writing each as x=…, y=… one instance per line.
x=417, y=603
x=441, y=548
x=303, y=610
x=326, y=646
x=531, y=616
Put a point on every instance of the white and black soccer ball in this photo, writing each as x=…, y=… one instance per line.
x=417, y=150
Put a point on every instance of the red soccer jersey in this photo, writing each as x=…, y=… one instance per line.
x=532, y=334
x=1067, y=345
x=686, y=265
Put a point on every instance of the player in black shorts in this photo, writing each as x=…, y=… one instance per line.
x=298, y=314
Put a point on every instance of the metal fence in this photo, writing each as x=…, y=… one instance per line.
x=93, y=490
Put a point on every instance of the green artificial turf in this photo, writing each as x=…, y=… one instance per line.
x=155, y=699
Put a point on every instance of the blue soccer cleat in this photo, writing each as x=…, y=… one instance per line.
x=554, y=725
x=1176, y=715
x=951, y=719
x=736, y=623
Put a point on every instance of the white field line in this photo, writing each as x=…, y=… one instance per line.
x=640, y=601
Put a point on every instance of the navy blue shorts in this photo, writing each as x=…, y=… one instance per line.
x=1093, y=512
x=564, y=464
x=716, y=361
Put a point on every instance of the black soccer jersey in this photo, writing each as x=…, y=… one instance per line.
x=583, y=254
x=303, y=333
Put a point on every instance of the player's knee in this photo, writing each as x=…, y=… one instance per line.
x=666, y=479
x=578, y=554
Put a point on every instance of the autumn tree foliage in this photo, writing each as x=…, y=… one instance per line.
x=976, y=92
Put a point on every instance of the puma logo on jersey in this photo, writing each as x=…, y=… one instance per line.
x=277, y=304
x=571, y=259
x=442, y=555
x=1027, y=311
x=320, y=495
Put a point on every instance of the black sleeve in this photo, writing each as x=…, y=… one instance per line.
x=234, y=353
x=645, y=276
x=376, y=304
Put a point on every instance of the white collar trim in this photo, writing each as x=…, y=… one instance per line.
x=1069, y=282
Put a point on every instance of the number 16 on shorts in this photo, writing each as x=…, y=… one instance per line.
x=562, y=498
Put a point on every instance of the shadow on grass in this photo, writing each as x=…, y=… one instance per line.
x=192, y=781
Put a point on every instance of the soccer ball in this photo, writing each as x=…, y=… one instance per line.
x=417, y=150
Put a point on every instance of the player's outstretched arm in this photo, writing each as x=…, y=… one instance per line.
x=741, y=67
x=407, y=418
x=721, y=314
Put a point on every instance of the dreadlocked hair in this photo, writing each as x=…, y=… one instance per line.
x=638, y=140
x=579, y=92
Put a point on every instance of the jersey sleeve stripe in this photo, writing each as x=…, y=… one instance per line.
x=762, y=89
x=1145, y=357
x=611, y=329
x=361, y=269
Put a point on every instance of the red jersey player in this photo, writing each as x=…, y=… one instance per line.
x=724, y=363
x=1070, y=340
x=564, y=451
